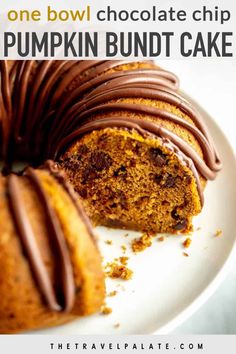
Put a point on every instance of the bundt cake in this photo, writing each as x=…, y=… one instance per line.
x=136, y=151
x=50, y=266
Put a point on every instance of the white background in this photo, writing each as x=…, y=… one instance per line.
x=212, y=83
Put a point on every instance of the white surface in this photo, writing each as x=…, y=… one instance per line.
x=168, y=287
x=213, y=84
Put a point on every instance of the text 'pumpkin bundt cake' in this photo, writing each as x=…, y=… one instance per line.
x=137, y=152
x=50, y=266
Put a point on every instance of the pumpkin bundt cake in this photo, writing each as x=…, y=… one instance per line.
x=50, y=266
x=136, y=151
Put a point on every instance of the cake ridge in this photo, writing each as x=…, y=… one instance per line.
x=28, y=241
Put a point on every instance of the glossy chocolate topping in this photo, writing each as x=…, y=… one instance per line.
x=62, y=297
x=47, y=105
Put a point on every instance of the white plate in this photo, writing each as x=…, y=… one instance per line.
x=167, y=287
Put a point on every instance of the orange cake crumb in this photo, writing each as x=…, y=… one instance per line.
x=185, y=254
x=161, y=239
x=124, y=248
x=108, y=242
x=187, y=242
x=112, y=293
x=120, y=271
x=117, y=325
x=218, y=233
x=140, y=244
x=124, y=260
x=105, y=310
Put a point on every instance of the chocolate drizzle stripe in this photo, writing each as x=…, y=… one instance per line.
x=20, y=96
x=99, y=67
x=158, y=93
x=208, y=152
x=47, y=99
x=38, y=80
x=29, y=243
x=162, y=77
x=96, y=68
x=66, y=272
x=5, y=86
x=117, y=80
x=6, y=108
x=64, y=122
x=75, y=71
x=41, y=115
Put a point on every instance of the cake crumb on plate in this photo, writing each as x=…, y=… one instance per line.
x=141, y=243
x=124, y=248
x=161, y=239
x=105, y=310
x=124, y=260
x=118, y=271
x=108, y=242
x=187, y=242
x=185, y=254
x=112, y=293
x=218, y=233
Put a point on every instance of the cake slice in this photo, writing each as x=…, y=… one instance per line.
x=139, y=154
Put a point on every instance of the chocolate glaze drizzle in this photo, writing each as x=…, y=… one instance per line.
x=55, y=102
x=61, y=299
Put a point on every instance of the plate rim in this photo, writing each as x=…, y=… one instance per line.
x=222, y=273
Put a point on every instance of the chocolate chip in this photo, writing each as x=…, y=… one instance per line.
x=122, y=199
x=120, y=171
x=158, y=157
x=170, y=182
x=118, y=197
x=132, y=163
x=103, y=138
x=11, y=315
x=174, y=214
x=137, y=147
x=71, y=164
x=158, y=178
x=88, y=174
x=188, y=178
x=100, y=160
x=115, y=223
x=180, y=225
x=78, y=290
x=142, y=201
x=82, y=192
x=83, y=149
